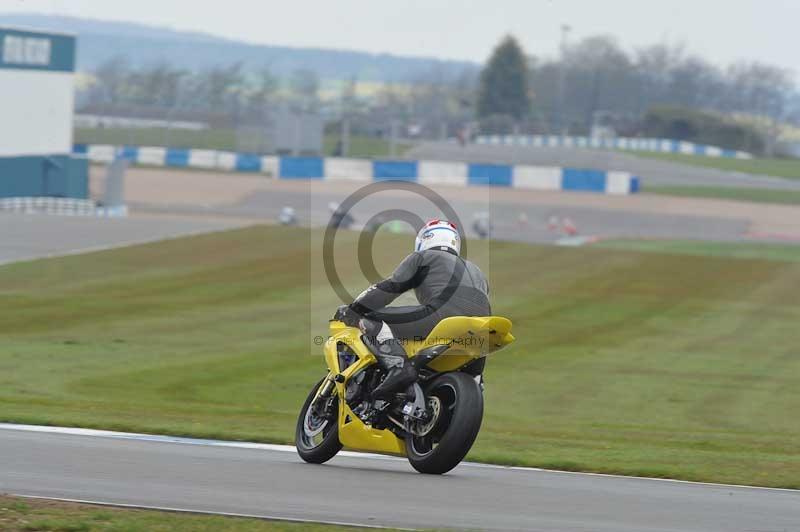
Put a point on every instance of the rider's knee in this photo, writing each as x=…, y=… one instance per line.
x=375, y=329
x=369, y=327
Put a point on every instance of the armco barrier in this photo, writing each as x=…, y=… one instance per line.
x=618, y=143
x=347, y=169
x=60, y=207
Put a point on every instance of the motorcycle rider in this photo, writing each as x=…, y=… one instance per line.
x=445, y=285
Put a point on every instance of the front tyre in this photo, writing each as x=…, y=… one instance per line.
x=457, y=404
x=317, y=436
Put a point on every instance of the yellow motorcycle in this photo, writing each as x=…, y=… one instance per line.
x=434, y=422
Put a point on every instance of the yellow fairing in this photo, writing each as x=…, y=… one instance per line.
x=469, y=338
x=353, y=433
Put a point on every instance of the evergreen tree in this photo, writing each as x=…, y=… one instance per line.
x=504, y=82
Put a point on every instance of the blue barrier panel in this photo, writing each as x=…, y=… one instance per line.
x=634, y=185
x=578, y=179
x=489, y=174
x=700, y=149
x=38, y=175
x=246, y=162
x=399, y=170
x=177, y=157
x=80, y=148
x=729, y=153
x=301, y=168
x=130, y=153
x=77, y=185
x=674, y=146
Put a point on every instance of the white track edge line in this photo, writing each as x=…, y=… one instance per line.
x=204, y=512
x=74, y=431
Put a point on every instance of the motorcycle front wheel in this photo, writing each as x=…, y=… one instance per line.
x=317, y=438
x=457, y=405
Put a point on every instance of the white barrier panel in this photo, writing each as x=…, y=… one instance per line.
x=537, y=177
x=686, y=148
x=713, y=151
x=442, y=173
x=151, y=155
x=226, y=160
x=270, y=164
x=346, y=169
x=618, y=183
x=101, y=153
x=203, y=158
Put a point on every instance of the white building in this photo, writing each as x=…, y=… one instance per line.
x=37, y=72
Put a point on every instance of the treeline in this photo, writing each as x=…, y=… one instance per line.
x=218, y=94
x=597, y=83
x=435, y=103
x=658, y=90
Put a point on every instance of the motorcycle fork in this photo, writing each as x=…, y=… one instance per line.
x=322, y=401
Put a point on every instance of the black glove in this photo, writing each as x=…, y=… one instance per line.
x=347, y=315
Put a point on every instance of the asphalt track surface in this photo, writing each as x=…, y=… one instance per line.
x=651, y=171
x=271, y=481
x=33, y=236
x=595, y=215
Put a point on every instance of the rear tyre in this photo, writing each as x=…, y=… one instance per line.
x=317, y=438
x=457, y=402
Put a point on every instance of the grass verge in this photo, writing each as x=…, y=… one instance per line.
x=757, y=195
x=626, y=362
x=219, y=139
x=734, y=250
x=38, y=515
x=789, y=168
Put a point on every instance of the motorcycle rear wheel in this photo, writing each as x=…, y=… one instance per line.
x=460, y=412
x=324, y=443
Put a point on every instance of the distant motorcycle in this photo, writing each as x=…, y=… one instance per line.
x=434, y=422
x=482, y=225
x=287, y=216
x=340, y=219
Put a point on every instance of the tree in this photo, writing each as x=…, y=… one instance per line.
x=504, y=82
x=112, y=77
x=305, y=87
x=265, y=88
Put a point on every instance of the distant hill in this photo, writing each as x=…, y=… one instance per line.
x=100, y=40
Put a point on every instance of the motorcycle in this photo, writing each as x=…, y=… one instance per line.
x=433, y=423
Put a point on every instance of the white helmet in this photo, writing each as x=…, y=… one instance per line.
x=438, y=234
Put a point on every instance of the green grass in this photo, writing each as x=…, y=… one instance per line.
x=757, y=195
x=219, y=139
x=33, y=515
x=789, y=168
x=736, y=250
x=626, y=362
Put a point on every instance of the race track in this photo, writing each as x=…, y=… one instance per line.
x=257, y=198
x=271, y=481
x=33, y=236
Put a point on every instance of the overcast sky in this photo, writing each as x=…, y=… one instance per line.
x=720, y=30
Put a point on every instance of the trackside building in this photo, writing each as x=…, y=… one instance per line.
x=37, y=72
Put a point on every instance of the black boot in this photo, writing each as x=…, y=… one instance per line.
x=392, y=357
